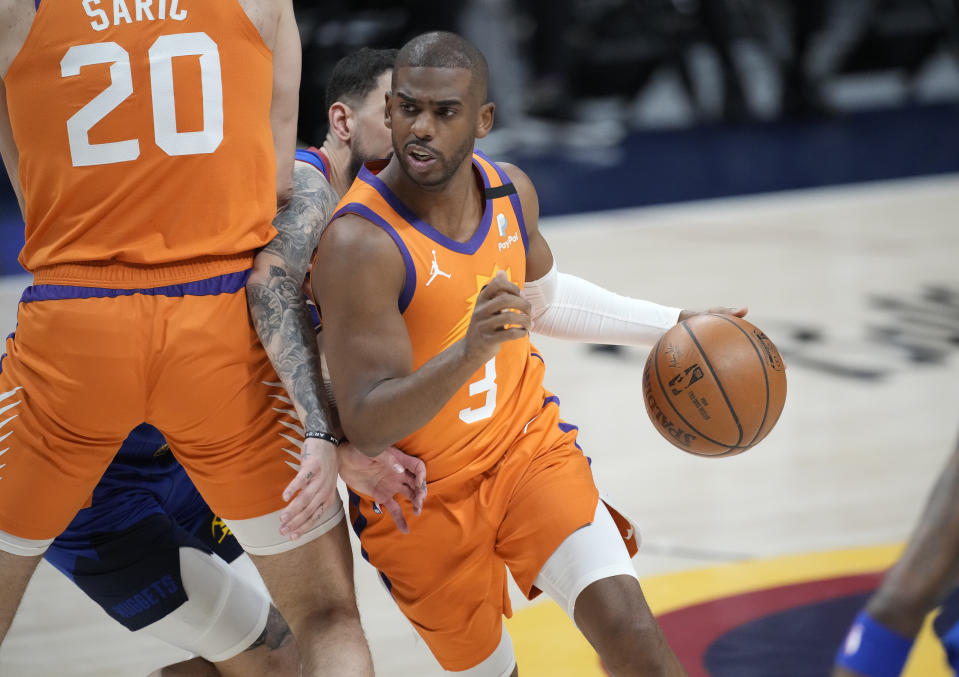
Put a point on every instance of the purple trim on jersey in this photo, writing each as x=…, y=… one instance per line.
x=409, y=286
x=538, y=356
x=514, y=200
x=469, y=247
x=314, y=158
x=486, y=182
x=314, y=315
x=551, y=398
x=38, y=3
x=4, y=355
x=359, y=524
x=229, y=283
x=568, y=427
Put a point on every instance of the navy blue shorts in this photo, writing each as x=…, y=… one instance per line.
x=123, y=551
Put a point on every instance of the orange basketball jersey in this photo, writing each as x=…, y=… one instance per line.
x=443, y=279
x=144, y=137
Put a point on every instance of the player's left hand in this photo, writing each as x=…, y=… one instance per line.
x=383, y=476
x=314, y=488
x=718, y=310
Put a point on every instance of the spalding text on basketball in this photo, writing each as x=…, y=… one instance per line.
x=661, y=419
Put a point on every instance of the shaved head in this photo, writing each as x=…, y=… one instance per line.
x=441, y=49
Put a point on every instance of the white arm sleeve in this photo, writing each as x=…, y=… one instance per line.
x=568, y=307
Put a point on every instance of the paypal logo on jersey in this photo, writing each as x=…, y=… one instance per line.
x=501, y=224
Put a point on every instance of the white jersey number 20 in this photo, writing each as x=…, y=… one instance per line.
x=161, y=53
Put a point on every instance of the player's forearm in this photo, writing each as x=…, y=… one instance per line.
x=275, y=295
x=927, y=569
x=567, y=307
x=396, y=407
x=283, y=323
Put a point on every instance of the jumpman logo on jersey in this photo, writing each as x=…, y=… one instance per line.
x=435, y=271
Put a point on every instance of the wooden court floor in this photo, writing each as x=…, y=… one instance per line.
x=858, y=286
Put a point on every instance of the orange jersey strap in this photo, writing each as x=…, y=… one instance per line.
x=372, y=200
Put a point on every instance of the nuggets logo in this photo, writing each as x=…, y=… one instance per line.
x=219, y=530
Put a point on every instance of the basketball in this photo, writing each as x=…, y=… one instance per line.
x=714, y=385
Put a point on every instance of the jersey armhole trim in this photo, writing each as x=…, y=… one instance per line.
x=312, y=158
x=409, y=285
x=508, y=189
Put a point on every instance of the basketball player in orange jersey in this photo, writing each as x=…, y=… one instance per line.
x=149, y=143
x=148, y=535
x=430, y=277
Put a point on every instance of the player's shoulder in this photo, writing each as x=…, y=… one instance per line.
x=355, y=249
x=515, y=174
x=16, y=17
x=17, y=8
x=350, y=235
x=524, y=188
x=308, y=175
x=266, y=16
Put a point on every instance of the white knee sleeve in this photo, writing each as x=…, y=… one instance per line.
x=587, y=555
x=223, y=615
x=24, y=547
x=500, y=663
x=261, y=535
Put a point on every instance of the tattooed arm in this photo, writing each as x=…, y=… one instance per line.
x=283, y=323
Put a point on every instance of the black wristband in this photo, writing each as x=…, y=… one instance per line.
x=322, y=435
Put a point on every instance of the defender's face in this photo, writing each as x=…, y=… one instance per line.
x=371, y=137
x=433, y=118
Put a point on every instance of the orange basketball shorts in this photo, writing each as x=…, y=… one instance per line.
x=86, y=365
x=448, y=575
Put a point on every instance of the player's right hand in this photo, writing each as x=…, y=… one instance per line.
x=383, y=476
x=313, y=490
x=501, y=314
x=716, y=310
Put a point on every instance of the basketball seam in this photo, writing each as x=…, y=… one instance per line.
x=719, y=384
x=762, y=363
x=669, y=400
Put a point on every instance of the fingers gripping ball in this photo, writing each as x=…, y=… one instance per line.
x=714, y=385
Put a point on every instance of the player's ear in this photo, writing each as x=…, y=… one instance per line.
x=386, y=111
x=340, y=117
x=484, y=121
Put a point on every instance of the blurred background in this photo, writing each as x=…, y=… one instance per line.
x=615, y=103
x=693, y=98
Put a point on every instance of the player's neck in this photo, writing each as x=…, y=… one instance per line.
x=338, y=165
x=454, y=209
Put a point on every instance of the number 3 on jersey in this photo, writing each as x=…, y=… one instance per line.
x=486, y=384
x=161, y=53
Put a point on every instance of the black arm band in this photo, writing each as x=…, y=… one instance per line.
x=322, y=435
